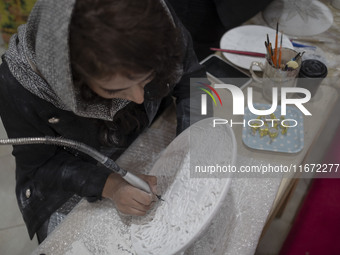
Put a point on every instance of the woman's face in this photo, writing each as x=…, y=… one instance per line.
x=129, y=87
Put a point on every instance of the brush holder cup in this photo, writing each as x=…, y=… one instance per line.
x=276, y=77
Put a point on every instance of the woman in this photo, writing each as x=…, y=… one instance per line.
x=94, y=71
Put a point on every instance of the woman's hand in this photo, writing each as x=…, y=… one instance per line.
x=128, y=199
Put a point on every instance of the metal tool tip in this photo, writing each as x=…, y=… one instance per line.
x=160, y=197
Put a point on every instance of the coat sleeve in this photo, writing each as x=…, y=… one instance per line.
x=52, y=166
x=48, y=166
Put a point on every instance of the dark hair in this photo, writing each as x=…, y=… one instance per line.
x=126, y=37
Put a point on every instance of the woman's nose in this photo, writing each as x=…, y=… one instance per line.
x=137, y=94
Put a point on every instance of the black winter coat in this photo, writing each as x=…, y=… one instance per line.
x=47, y=176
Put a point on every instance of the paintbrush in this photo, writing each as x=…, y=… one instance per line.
x=271, y=52
x=313, y=40
x=269, y=55
x=239, y=52
x=267, y=39
x=280, y=52
x=276, y=42
x=293, y=63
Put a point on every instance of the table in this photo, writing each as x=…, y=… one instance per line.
x=250, y=201
x=90, y=229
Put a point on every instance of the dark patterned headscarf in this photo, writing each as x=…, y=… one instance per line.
x=38, y=57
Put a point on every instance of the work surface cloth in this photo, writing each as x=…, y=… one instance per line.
x=95, y=228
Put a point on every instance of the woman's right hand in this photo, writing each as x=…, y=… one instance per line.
x=128, y=199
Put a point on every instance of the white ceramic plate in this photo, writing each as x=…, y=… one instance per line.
x=249, y=38
x=299, y=17
x=190, y=203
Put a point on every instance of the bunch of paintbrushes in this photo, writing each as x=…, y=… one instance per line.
x=274, y=57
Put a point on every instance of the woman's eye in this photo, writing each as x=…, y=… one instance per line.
x=110, y=92
x=149, y=79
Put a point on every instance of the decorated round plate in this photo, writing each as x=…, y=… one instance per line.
x=190, y=201
x=299, y=17
x=249, y=38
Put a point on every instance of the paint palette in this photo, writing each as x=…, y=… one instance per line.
x=290, y=142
